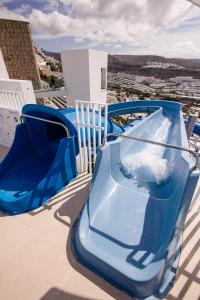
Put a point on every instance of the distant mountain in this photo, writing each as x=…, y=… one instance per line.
x=134, y=64
x=140, y=60
x=55, y=55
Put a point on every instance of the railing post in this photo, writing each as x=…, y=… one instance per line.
x=79, y=136
x=88, y=117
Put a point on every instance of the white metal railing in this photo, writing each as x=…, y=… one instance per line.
x=89, y=116
x=14, y=94
x=47, y=121
x=11, y=100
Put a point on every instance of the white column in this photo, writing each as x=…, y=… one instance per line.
x=3, y=70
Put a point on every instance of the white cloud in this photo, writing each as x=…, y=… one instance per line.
x=112, y=21
x=7, y=14
x=23, y=9
x=66, y=2
x=143, y=25
x=117, y=46
x=178, y=49
x=79, y=40
x=49, y=25
x=176, y=43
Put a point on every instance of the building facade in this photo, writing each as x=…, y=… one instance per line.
x=18, y=52
x=85, y=75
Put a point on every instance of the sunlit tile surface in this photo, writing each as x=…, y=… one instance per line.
x=36, y=260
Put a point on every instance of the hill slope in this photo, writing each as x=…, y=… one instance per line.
x=134, y=64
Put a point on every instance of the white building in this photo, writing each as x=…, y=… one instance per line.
x=85, y=74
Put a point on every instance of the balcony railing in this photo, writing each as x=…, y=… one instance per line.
x=14, y=94
x=11, y=100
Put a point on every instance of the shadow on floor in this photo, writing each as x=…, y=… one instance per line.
x=191, y=277
x=2, y=214
x=71, y=209
x=64, y=195
x=57, y=294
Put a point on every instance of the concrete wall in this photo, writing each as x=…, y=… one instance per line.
x=9, y=119
x=3, y=70
x=18, y=51
x=97, y=60
x=75, y=64
x=82, y=74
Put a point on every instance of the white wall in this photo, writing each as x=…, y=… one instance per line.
x=75, y=64
x=9, y=118
x=3, y=70
x=97, y=60
x=82, y=74
x=14, y=94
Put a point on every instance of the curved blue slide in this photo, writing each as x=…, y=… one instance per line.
x=41, y=161
x=130, y=229
x=70, y=115
x=197, y=129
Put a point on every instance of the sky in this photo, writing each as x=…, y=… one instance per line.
x=169, y=28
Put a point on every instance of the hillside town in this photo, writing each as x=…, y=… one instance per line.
x=127, y=87
x=176, y=87
x=50, y=69
x=160, y=65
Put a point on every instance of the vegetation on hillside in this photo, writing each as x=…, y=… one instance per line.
x=53, y=81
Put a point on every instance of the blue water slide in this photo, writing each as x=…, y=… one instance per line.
x=129, y=231
x=70, y=115
x=41, y=161
x=137, y=106
x=196, y=129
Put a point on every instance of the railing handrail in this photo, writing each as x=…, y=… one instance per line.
x=195, y=139
x=156, y=107
x=46, y=120
x=155, y=143
x=14, y=92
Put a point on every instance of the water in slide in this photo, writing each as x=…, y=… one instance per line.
x=150, y=160
x=130, y=229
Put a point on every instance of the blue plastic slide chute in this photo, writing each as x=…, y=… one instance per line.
x=41, y=161
x=196, y=129
x=131, y=226
x=70, y=115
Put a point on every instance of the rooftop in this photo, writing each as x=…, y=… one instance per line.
x=37, y=263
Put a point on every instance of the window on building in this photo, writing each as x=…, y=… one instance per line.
x=103, y=78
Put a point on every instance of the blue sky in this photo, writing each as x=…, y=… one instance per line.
x=160, y=27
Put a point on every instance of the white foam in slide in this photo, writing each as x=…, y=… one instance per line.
x=150, y=162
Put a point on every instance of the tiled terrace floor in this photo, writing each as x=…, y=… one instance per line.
x=36, y=261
